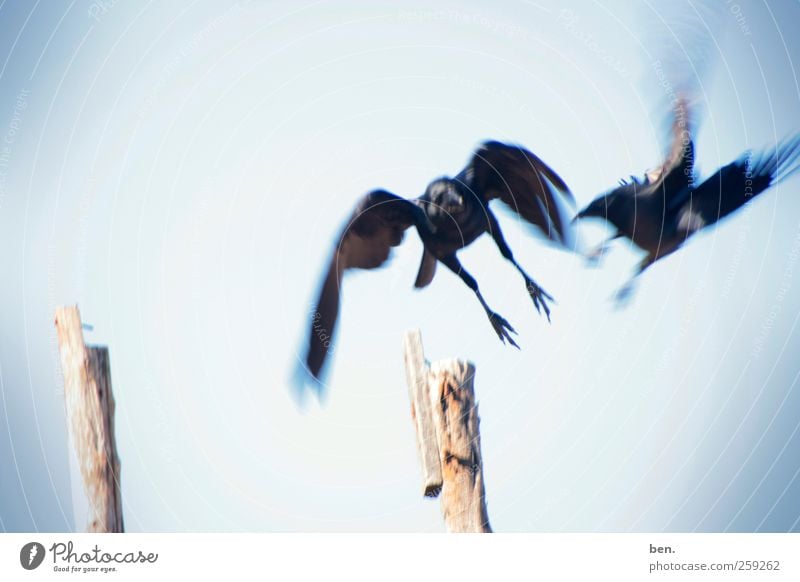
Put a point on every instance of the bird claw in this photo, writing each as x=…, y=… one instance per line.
x=595, y=256
x=540, y=298
x=502, y=327
x=623, y=296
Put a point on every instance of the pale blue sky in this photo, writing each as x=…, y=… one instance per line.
x=180, y=171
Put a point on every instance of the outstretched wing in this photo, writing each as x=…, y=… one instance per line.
x=679, y=165
x=522, y=181
x=732, y=186
x=676, y=174
x=377, y=224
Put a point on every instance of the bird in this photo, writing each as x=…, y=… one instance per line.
x=660, y=211
x=448, y=216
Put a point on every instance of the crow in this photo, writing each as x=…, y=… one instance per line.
x=659, y=212
x=450, y=215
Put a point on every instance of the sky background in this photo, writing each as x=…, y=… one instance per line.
x=180, y=171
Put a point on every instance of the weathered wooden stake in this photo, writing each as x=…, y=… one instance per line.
x=446, y=420
x=90, y=410
x=417, y=373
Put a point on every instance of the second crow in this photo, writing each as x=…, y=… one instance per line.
x=659, y=212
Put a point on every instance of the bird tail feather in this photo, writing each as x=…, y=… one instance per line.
x=787, y=159
x=427, y=269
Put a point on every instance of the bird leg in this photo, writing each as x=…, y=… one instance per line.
x=623, y=295
x=538, y=295
x=594, y=256
x=500, y=325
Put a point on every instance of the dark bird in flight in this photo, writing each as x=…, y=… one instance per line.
x=659, y=212
x=451, y=214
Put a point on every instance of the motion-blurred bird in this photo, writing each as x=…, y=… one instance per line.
x=451, y=214
x=659, y=212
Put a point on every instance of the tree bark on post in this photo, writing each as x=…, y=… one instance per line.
x=90, y=413
x=446, y=419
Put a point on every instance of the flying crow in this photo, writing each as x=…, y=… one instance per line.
x=664, y=208
x=451, y=214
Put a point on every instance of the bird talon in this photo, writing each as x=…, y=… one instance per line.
x=540, y=298
x=502, y=328
x=623, y=296
x=595, y=256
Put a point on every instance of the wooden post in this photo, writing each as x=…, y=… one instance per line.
x=447, y=425
x=417, y=372
x=90, y=413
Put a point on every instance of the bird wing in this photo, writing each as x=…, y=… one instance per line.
x=377, y=224
x=734, y=185
x=523, y=182
x=676, y=173
x=679, y=165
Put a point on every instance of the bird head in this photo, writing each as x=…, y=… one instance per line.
x=598, y=208
x=609, y=206
x=445, y=197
